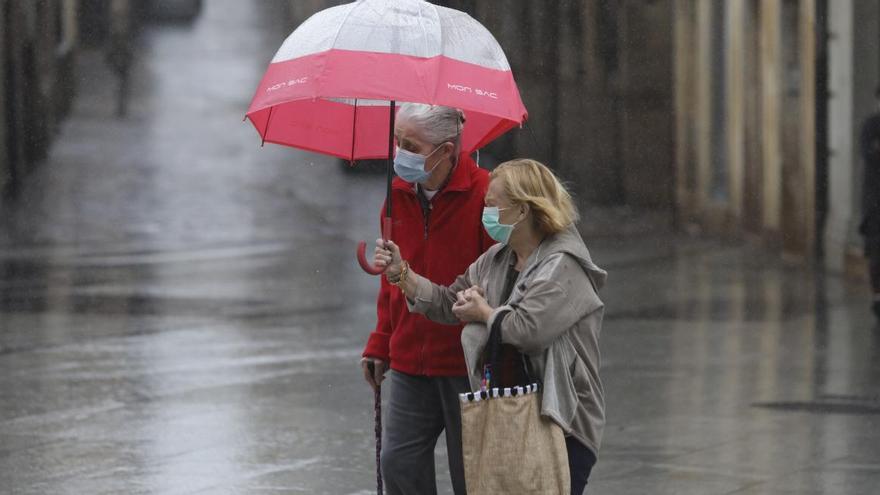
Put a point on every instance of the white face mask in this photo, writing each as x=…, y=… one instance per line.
x=410, y=166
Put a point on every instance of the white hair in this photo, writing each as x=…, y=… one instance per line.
x=436, y=124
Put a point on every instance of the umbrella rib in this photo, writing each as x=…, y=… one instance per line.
x=425, y=31
x=341, y=24
x=354, y=130
x=441, y=57
x=320, y=77
x=268, y=121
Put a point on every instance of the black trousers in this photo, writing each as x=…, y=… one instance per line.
x=580, y=463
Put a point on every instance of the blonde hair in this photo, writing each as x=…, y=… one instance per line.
x=530, y=182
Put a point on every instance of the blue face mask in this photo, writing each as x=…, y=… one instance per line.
x=498, y=231
x=410, y=166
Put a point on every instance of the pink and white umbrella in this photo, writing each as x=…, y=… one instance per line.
x=333, y=84
x=329, y=86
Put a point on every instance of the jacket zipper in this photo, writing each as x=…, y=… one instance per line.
x=427, y=221
x=426, y=205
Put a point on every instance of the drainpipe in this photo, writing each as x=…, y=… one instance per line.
x=822, y=153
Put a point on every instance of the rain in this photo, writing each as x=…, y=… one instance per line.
x=181, y=306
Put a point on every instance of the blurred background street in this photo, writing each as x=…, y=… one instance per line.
x=181, y=310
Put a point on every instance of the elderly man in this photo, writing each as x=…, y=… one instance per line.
x=438, y=205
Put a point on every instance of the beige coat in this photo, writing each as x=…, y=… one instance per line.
x=554, y=315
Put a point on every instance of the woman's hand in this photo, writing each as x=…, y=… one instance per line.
x=387, y=256
x=471, y=306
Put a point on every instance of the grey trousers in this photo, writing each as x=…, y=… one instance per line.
x=418, y=409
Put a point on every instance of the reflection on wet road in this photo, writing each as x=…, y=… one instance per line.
x=181, y=312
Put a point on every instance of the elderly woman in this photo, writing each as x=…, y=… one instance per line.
x=539, y=279
x=438, y=203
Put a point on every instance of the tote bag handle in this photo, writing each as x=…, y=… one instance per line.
x=494, y=344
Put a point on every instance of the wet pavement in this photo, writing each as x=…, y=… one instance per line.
x=181, y=312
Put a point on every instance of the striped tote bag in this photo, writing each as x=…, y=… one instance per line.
x=508, y=447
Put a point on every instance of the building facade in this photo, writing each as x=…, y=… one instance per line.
x=37, y=49
x=770, y=96
x=745, y=100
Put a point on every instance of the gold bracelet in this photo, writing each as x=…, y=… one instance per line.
x=404, y=271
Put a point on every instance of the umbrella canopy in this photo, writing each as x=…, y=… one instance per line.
x=329, y=86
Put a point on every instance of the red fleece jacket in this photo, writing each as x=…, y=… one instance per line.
x=439, y=246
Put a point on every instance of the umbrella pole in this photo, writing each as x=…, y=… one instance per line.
x=386, y=234
x=386, y=222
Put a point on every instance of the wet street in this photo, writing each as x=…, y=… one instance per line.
x=181, y=312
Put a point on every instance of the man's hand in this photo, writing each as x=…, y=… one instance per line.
x=374, y=371
x=387, y=256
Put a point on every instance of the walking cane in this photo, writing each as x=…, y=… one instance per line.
x=377, y=422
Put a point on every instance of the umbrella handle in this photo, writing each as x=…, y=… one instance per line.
x=362, y=250
x=362, y=259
